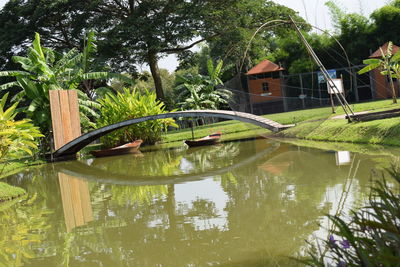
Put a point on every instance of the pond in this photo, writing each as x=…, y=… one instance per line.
x=245, y=203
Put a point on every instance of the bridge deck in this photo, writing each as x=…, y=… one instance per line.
x=77, y=144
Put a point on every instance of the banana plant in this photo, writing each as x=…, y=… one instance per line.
x=389, y=65
x=44, y=70
x=203, y=91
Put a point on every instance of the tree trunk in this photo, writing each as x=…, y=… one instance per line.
x=155, y=72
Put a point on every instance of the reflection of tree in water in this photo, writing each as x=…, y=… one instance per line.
x=168, y=162
x=152, y=163
x=201, y=208
x=212, y=157
x=268, y=216
x=261, y=215
x=20, y=229
x=137, y=194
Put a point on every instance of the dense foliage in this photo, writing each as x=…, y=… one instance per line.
x=135, y=32
x=44, y=70
x=358, y=35
x=372, y=237
x=17, y=137
x=197, y=91
x=127, y=105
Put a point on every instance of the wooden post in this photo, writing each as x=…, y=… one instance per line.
x=64, y=116
x=333, y=105
x=75, y=195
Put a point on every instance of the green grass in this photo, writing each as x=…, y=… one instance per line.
x=386, y=131
x=311, y=124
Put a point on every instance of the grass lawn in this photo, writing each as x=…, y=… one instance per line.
x=386, y=131
x=311, y=124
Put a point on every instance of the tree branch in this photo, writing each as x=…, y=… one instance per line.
x=180, y=49
x=118, y=3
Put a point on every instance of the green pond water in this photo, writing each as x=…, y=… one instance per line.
x=247, y=203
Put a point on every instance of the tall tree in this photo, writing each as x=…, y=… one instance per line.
x=132, y=31
x=238, y=31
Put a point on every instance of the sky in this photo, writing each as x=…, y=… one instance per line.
x=314, y=11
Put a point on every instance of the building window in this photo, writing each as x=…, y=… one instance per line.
x=265, y=87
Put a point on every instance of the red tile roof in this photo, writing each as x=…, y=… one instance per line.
x=378, y=53
x=264, y=66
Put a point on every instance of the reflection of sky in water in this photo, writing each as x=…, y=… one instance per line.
x=207, y=189
x=340, y=202
x=290, y=192
x=186, y=166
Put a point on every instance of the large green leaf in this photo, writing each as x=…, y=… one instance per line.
x=9, y=113
x=29, y=87
x=13, y=73
x=36, y=45
x=3, y=101
x=106, y=76
x=369, y=68
x=371, y=61
x=89, y=49
x=396, y=57
x=26, y=63
x=8, y=85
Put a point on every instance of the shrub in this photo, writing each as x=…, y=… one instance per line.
x=16, y=137
x=127, y=105
x=371, y=238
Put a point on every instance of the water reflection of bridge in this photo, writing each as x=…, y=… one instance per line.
x=82, y=170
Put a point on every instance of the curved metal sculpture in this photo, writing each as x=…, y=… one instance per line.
x=77, y=144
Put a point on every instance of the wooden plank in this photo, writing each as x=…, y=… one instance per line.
x=56, y=119
x=65, y=116
x=74, y=113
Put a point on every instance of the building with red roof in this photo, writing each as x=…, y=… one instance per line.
x=271, y=90
x=384, y=48
x=265, y=87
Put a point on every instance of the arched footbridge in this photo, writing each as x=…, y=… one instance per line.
x=77, y=144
